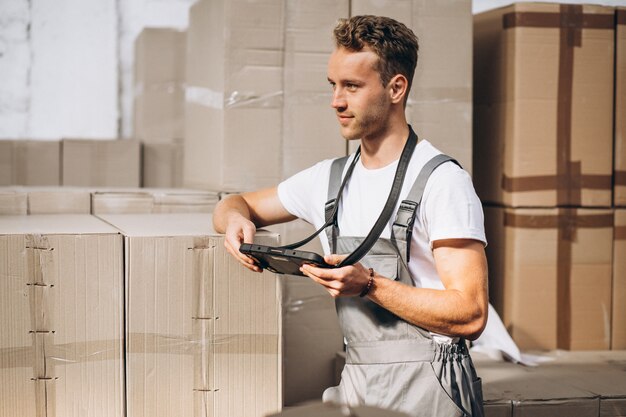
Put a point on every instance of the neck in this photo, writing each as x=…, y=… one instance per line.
x=385, y=147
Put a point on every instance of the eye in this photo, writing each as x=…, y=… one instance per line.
x=332, y=85
x=351, y=87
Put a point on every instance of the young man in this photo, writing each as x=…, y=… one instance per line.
x=421, y=293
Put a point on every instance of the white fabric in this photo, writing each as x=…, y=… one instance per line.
x=450, y=207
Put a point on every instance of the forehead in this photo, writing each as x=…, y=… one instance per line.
x=345, y=63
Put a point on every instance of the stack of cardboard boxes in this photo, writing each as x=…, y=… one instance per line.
x=543, y=166
x=142, y=315
x=159, y=104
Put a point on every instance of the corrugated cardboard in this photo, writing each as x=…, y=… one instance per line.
x=101, y=163
x=163, y=164
x=153, y=200
x=543, y=86
x=618, y=336
x=233, y=111
x=30, y=162
x=619, y=197
x=159, y=84
x=203, y=333
x=440, y=103
x=550, y=275
x=310, y=128
x=61, y=317
x=13, y=201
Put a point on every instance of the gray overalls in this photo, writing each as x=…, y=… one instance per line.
x=390, y=363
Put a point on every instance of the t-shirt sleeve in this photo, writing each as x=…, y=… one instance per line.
x=451, y=208
x=304, y=194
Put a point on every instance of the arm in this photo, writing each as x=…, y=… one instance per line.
x=458, y=310
x=239, y=215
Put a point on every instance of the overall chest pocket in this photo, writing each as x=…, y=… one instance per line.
x=384, y=265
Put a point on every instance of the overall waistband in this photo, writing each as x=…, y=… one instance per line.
x=391, y=351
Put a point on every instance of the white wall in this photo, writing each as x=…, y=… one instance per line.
x=66, y=65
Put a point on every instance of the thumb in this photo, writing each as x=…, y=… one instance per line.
x=334, y=259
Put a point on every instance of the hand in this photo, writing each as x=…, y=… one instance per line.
x=346, y=281
x=240, y=230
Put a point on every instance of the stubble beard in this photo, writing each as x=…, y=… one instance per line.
x=366, y=124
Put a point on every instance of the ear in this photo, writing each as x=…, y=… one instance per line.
x=398, y=86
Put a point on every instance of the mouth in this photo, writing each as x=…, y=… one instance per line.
x=344, y=118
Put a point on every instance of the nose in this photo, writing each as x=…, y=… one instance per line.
x=338, y=102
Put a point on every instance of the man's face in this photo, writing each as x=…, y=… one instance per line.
x=359, y=98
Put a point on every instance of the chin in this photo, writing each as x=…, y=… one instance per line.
x=350, y=134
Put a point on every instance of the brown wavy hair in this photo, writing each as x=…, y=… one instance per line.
x=395, y=44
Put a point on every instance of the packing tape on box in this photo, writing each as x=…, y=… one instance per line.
x=220, y=100
x=620, y=17
x=569, y=180
x=620, y=178
x=567, y=222
x=193, y=345
x=619, y=233
x=64, y=353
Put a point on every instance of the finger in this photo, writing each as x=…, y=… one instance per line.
x=245, y=260
x=334, y=259
x=324, y=273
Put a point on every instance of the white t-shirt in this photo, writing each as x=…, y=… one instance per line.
x=450, y=207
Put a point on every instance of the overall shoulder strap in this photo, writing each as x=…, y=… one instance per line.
x=334, y=183
x=405, y=217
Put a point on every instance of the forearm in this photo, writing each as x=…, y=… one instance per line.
x=449, y=312
x=233, y=205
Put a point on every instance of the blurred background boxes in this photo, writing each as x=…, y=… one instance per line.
x=543, y=132
x=233, y=113
x=159, y=96
x=619, y=197
x=101, y=163
x=618, y=336
x=30, y=162
x=551, y=275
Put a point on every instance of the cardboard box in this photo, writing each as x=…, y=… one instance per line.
x=61, y=317
x=581, y=384
x=101, y=163
x=13, y=201
x=618, y=335
x=440, y=103
x=30, y=162
x=203, y=334
x=550, y=275
x=153, y=200
x=233, y=111
x=619, y=195
x=310, y=128
x=163, y=164
x=543, y=86
x=159, y=78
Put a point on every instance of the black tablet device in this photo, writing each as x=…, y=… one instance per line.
x=282, y=261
